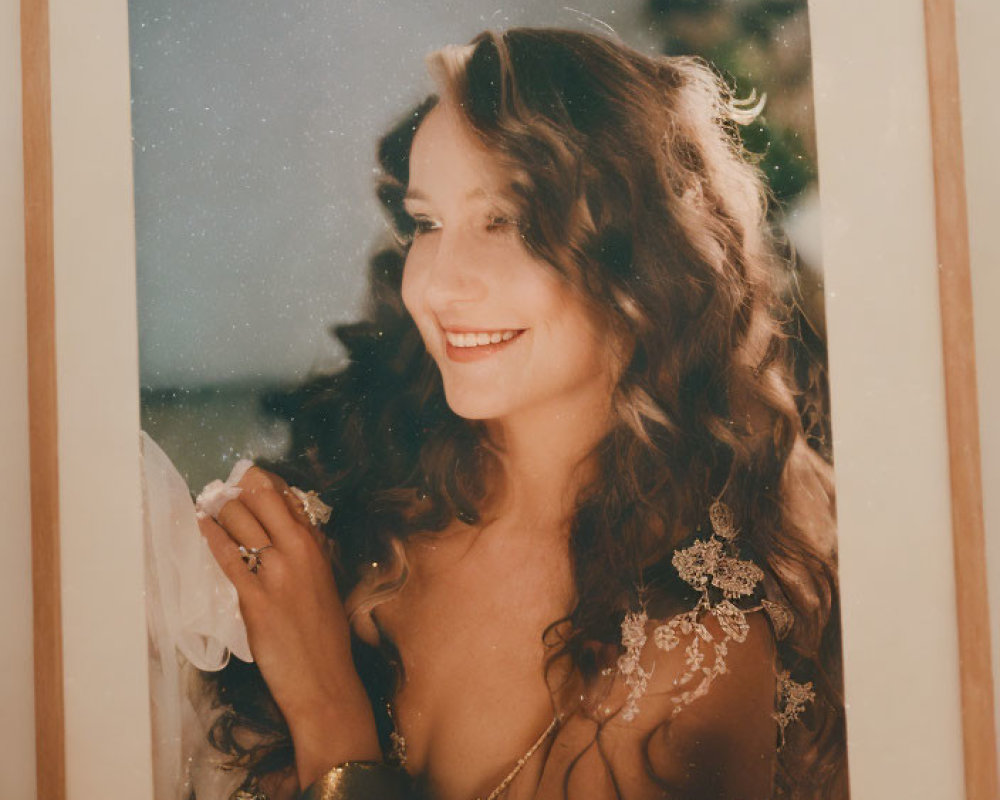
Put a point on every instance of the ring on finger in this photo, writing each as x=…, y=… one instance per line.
x=252, y=556
x=315, y=509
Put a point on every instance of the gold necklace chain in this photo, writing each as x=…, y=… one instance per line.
x=398, y=751
x=522, y=761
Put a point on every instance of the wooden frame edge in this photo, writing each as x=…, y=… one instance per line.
x=958, y=341
x=39, y=259
x=960, y=380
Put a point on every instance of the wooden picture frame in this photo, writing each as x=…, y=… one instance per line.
x=916, y=648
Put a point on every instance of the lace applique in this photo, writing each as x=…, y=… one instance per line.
x=781, y=618
x=397, y=749
x=711, y=567
x=635, y=677
x=397, y=742
x=792, y=699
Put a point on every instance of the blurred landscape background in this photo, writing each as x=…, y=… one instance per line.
x=255, y=126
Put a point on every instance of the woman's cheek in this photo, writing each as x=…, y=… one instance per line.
x=412, y=293
x=408, y=288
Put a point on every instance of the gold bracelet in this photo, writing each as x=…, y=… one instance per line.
x=360, y=780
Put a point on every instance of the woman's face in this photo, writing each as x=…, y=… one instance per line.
x=508, y=332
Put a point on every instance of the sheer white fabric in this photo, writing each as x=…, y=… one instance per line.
x=194, y=620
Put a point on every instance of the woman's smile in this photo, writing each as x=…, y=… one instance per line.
x=463, y=346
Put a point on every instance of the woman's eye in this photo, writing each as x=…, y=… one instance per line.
x=498, y=222
x=422, y=225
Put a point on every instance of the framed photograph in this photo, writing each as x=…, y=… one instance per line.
x=199, y=138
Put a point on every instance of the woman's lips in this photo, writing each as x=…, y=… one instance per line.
x=478, y=351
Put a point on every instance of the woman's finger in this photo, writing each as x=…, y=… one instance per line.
x=242, y=524
x=262, y=495
x=227, y=554
x=294, y=503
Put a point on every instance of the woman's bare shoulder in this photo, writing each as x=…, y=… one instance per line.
x=707, y=712
x=690, y=711
x=693, y=661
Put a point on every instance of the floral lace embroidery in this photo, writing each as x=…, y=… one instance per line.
x=704, y=565
x=397, y=742
x=792, y=699
x=781, y=618
x=635, y=677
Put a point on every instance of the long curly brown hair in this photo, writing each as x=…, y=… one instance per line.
x=632, y=184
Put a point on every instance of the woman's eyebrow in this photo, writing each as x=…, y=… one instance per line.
x=474, y=194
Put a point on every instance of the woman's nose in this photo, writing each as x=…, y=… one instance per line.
x=455, y=274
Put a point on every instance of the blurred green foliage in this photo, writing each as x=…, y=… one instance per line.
x=758, y=46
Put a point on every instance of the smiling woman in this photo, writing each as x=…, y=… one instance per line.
x=480, y=297
x=580, y=539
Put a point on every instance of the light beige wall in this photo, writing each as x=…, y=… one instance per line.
x=17, y=732
x=897, y=574
x=104, y=624
x=979, y=61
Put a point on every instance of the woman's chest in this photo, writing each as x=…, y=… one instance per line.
x=471, y=636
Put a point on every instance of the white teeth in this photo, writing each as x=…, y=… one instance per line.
x=477, y=339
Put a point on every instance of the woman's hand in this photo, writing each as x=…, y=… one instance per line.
x=296, y=624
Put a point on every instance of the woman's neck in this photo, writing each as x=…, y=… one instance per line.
x=543, y=453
